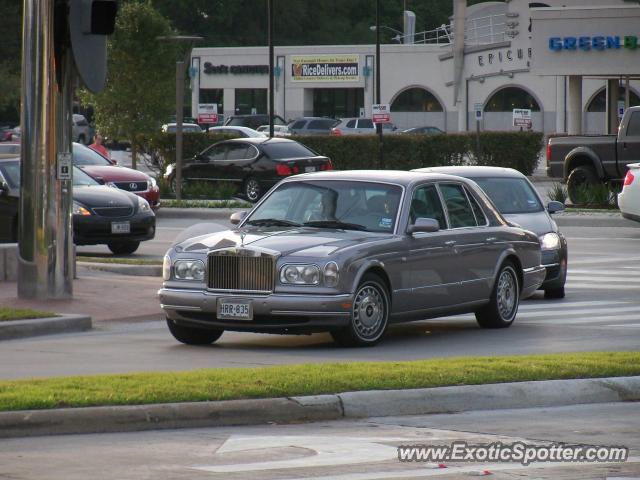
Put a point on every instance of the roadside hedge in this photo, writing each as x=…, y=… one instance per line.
x=517, y=150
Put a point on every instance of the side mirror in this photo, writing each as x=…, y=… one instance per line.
x=554, y=207
x=426, y=225
x=113, y=162
x=237, y=217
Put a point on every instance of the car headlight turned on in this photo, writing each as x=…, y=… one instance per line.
x=143, y=205
x=550, y=241
x=166, y=268
x=300, y=274
x=188, y=270
x=331, y=274
x=80, y=210
x=152, y=183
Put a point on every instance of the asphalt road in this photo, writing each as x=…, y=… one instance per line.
x=601, y=312
x=342, y=450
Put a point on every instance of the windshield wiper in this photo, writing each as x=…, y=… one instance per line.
x=335, y=224
x=272, y=222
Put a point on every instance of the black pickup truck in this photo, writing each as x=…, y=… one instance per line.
x=594, y=159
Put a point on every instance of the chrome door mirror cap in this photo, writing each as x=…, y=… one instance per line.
x=426, y=225
x=237, y=217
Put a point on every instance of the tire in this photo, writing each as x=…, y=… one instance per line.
x=557, y=290
x=582, y=175
x=193, y=336
x=505, y=298
x=369, y=314
x=252, y=189
x=123, y=248
x=173, y=183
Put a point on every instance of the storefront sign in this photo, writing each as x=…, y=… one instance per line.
x=598, y=42
x=208, y=113
x=503, y=56
x=522, y=117
x=235, y=69
x=381, y=113
x=325, y=68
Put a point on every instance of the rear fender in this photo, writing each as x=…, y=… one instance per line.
x=582, y=156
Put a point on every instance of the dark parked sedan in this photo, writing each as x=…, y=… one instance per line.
x=519, y=202
x=350, y=253
x=256, y=164
x=101, y=214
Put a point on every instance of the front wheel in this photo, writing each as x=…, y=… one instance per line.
x=123, y=248
x=252, y=189
x=504, y=301
x=369, y=314
x=193, y=336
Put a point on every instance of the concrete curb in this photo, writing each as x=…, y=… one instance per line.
x=124, y=269
x=594, y=220
x=319, y=408
x=198, y=213
x=44, y=326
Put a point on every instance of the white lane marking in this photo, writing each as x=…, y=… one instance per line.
x=591, y=312
x=564, y=304
x=621, y=258
x=595, y=286
x=584, y=278
x=560, y=321
x=329, y=451
x=625, y=325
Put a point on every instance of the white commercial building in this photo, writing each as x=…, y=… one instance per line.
x=565, y=61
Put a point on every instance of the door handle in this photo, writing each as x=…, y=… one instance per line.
x=491, y=239
x=450, y=243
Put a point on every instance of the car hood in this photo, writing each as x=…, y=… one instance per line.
x=114, y=174
x=102, y=196
x=296, y=241
x=538, y=222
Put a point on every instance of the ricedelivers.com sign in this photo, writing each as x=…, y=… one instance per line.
x=325, y=68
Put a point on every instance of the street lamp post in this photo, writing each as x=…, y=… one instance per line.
x=398, y=34
x=378, y=100
x=271, y=83
x=180, y=66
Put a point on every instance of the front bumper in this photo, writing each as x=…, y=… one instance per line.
x=532, y=278
x=95, y=230
x=555, y=263
x=272, y=313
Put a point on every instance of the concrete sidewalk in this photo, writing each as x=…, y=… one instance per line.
x=102, y=296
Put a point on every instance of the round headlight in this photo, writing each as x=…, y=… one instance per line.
x=310, y=274
x=550, y=241
x=182, y=269
x=331, y=274
x=197, y=270
x=291, y=274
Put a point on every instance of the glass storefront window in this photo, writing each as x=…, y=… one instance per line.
x=251, y=101
x=506, y=99
x=212, y=95
x=599, y=102
x=416, y=100
x=337, y=102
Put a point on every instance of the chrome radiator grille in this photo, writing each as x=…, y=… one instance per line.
x=241, y=272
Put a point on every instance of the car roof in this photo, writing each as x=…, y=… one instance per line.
x=473, y=171
x=261, y=140
x=399, y=177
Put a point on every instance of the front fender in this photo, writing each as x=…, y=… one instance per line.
x=365, y=266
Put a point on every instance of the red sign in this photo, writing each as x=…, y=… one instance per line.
x=381, y=113
x=208, y=118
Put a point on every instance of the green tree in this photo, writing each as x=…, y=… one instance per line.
x=10, y=60
x=139, y=92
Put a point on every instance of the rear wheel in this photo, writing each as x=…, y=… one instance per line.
x=580, y=177
x=369, y=314
x=123, y=248
x=252, y=189
x=505, y=298
x=193, y=336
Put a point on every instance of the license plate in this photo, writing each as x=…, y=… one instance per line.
x=309, y=169
x=234, y=309
x=120, y=227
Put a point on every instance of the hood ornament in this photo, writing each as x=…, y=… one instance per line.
x=242, y=235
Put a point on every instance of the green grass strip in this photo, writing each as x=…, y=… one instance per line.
x=169, y=203
x=7, y=314
x=307, y=379
x=125, y=261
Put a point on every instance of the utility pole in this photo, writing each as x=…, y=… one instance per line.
x=378, y=100
x=271, y=82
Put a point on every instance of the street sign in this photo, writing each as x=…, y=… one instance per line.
x=478, y=109
x=381, y=113
x=620, y=109
x=522, y=117
x=64, y=165
x=208, y=113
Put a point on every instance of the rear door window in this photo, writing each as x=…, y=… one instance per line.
x=458, y=207
x=321, y=124
x=215, y=152
x=365, y=123
x=237, y=151
x=351, y=124
x=299, y=124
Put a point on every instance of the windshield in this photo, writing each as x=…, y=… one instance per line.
x=11, y=173
x=87, y=156
x=510, y=195
x=332, y=204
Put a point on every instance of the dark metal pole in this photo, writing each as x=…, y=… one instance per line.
x=179, y=115
x=271, y=86
x=378, y=101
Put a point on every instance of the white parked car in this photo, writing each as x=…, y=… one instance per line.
x=80, y=129
x=355, y=126
x=186, y=128
x=237, y=131
x=278, y=130
x=629, y=198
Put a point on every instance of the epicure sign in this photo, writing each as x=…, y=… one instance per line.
x=596, y=42
x=325, y=68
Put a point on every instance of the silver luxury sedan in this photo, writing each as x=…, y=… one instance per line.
x=351, y=252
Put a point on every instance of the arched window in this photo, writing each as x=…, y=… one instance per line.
x=508, y=98
x=416, y=100
x=599, y=102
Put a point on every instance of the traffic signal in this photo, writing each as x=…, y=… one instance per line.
x=90, y=21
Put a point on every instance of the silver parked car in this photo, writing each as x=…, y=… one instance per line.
x=355, y=126
x=80, y=130
x=351, y=252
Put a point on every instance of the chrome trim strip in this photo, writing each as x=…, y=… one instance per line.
x=549, y=265
x=262, y=295
x=303, y=313
x=180, y=307
x=533, y=269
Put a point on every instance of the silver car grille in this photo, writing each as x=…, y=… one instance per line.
x=241, y=272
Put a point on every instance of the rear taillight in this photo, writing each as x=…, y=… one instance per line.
x=336, y=131
x=628, y=179
x=284, y=170
x=326, y=166
x=548, y=152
